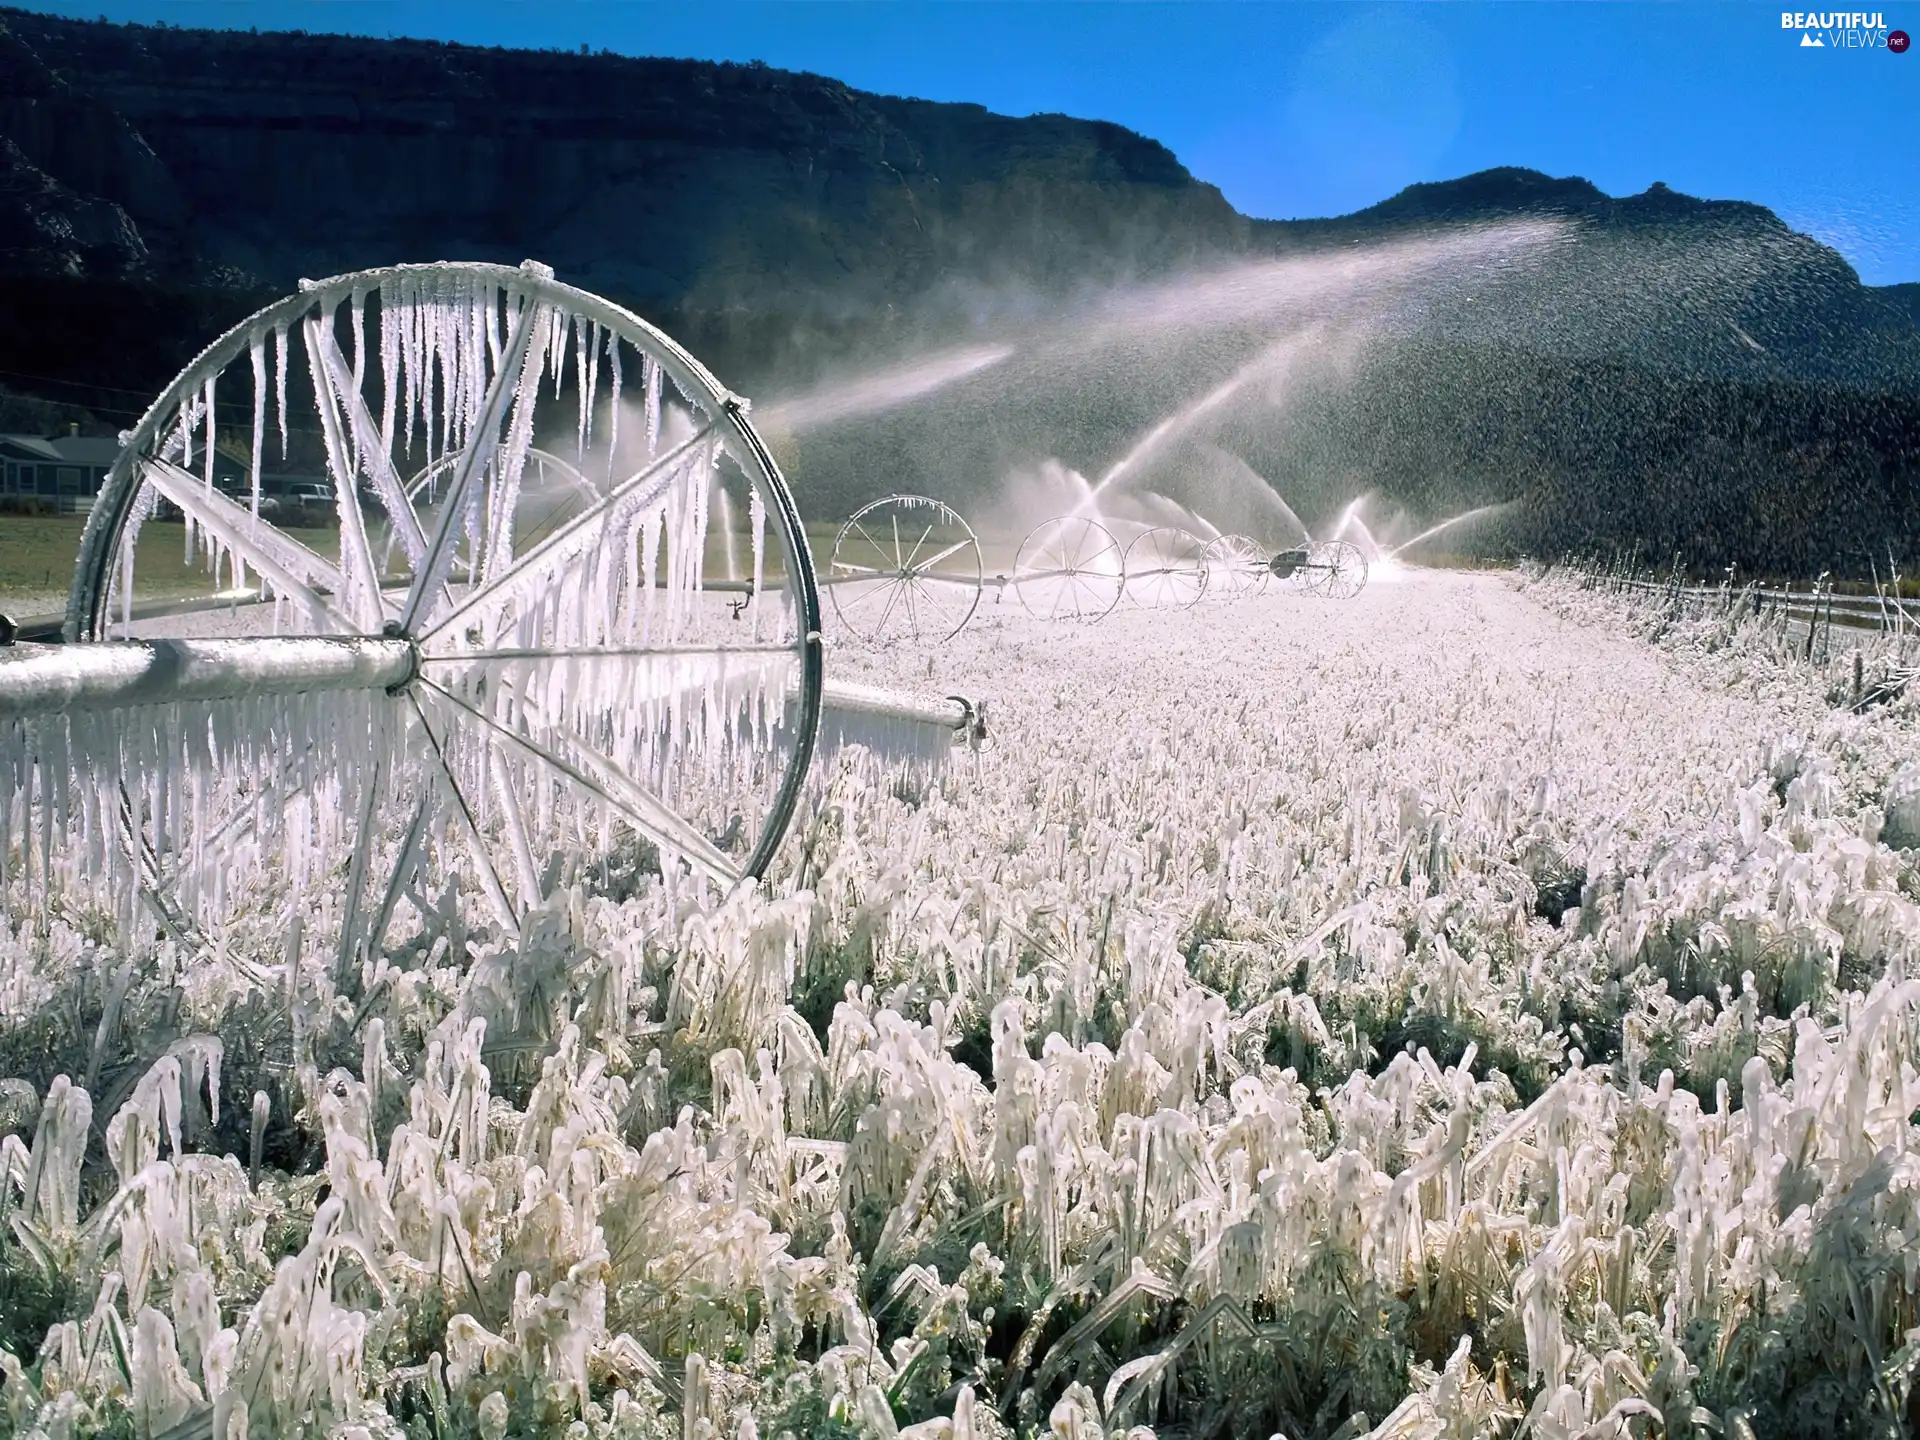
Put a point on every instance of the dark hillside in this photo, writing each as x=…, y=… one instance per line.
x=1668, y=369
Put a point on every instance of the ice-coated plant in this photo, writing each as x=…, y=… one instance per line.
x=1445, y=1015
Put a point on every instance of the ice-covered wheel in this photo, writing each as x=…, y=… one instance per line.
x=1069, y=568
x=1338, y=570
x=905, y=566
x=584, y=634
x=1166, y=569
x=1236, y=567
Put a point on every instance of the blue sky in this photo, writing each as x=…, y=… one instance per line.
x=1312, y=109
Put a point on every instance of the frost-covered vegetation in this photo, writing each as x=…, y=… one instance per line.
x=1481, y=1004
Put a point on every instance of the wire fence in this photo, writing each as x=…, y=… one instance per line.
x=1815, y=621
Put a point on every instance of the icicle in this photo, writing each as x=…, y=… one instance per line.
x=280, y=384
x=409, y=326
x=256, y=352
x=436, y=400
x=389, y=357
x=480, y=317
x=212, y=432
x=358, y=572
x=613, y=404
x=558, y=324
x=650, y=378
x=494, y=296
x=757, y=519
x=591, y=368
x=359, y=341
x=583, y=384
x=509, y=463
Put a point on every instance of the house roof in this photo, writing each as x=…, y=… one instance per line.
x=89, y=450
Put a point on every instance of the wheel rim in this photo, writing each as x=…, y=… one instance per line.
x=1166, y=569
x=586, y=681
x=1237, y=567
x=1069, y=568
x=905, y=566
x=1345, y=572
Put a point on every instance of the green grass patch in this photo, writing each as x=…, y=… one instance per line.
x=37, y=554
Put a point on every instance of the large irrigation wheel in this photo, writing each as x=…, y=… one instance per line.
x=905, y=566
x=1337, y=570
x=1237, y=567
x=1166, y=569
x=1069, y=568
x=583, y=666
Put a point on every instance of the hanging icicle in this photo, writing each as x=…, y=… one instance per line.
x=256, y=355
x=280, y=384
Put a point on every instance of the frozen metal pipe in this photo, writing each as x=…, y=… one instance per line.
x=946, y=713
x=110, y=675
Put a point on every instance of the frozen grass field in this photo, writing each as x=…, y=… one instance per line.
x=1482, y=1002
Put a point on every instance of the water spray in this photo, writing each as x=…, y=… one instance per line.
x=871, y=393
x=1460, y=519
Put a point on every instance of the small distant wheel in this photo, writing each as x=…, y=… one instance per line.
x=1166, y=569
x=1340, y=570
x=906, y=567
x=1236, y=567
x=551, y=489
x=1070, y=568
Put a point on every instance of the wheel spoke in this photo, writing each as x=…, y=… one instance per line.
x=363, y=839
x=295, y=571
x=559, y=511
x=884, y=587
x=369, y=444
x=878, y=549
x=608, y=652
x=517, y=846
x=907, y=564
x=641, y=489
x=938, y=556
x=482, y=861
x=481, y=442
x=356, y=556
x=1060, y=591
x=402, y=867
x=646, y=812
x=913, y=610
x=1084, y=587
x=894, y=591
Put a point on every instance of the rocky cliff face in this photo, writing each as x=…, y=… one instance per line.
x=760, y=213
x=669, y=183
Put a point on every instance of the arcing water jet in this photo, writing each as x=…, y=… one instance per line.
x=882, y=390
x=1460, y=519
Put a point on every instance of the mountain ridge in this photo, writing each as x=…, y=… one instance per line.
x=198, y=136
x=158, y=184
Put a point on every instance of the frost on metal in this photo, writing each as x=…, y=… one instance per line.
x=603, y=672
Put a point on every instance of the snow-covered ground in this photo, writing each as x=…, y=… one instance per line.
x=1473, y=999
